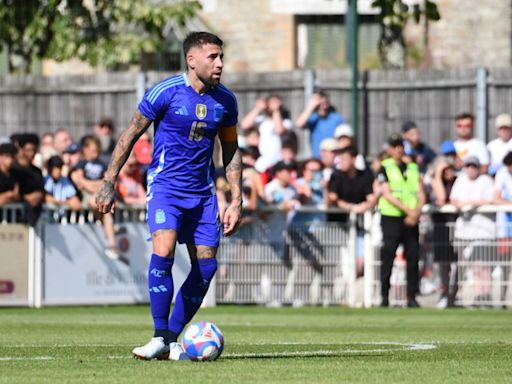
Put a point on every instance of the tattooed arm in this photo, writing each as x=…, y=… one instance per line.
x=106, y=194
x=232, y=159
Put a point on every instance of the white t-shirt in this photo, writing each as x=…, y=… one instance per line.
x=465, y=189
x=270, y=141
x=498, y=149
x=276, y=194
x=472, y=147
x=503, y=184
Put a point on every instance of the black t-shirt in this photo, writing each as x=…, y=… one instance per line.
x=7, y=182
x=351, y=189
x=93, y=170
x=30, y=179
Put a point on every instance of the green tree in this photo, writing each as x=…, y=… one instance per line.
x=109, y=32
x=393, y=17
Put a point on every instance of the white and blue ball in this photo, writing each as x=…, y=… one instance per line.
x=203, y=341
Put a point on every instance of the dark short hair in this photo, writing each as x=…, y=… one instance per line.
x=8, y=149
x=28, y=138
x=198, y=39
x=251, y=151
x=507, y=160
x=54, y=162
x=351, y=150
x=465, y=115
x=89, y=139
x=107, y=122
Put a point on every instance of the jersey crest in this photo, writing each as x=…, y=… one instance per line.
x=201, y=111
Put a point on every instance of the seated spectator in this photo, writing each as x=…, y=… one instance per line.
x=422, y=154
x=473, y=189
x=444, y=255
x=272, y=121
x=448, y=151
x=105, y=131
x=345, y=136
x=59, y=189
x=321, y=119
x=143, y=151
x=129, y=183
x=87, y=176
x=253, y=194
x=312, y=190
x=9, y=188
x=279, y=191
x=351, y=189
x=251, y=138
x=29, y=177
x=468, y=145
x=502, y=145
x=71, y=156
x=503, y=196
x=61, y=140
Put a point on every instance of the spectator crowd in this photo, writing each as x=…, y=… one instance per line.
x=465, y=172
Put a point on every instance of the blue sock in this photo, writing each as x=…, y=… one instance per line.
x=160, y=293
x=191, y=295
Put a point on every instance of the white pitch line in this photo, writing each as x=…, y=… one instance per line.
x=316, y=353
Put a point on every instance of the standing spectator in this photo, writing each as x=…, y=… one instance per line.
x=272, y=121
x=87, y=176
x=351, y=189
x=502, y=145
x=253, y=194
x=422, y=154
x=9, y=188
x=280, y=191
x=312, y=190
x=448, y=151
x=71, y=156
x=400, y=206
x=61, y=140
x=345, y=136
x=251, y=138
x=328, y=150
x=321, y=119
x=59, y=189
x=467, y=145
x=503, y=196
x=29, y=177
x=129, y=183
x=105, y=131
x=46, y=150
x=441, y=186
x=471, y=190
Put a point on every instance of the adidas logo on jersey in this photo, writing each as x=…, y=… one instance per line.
x=182, y=111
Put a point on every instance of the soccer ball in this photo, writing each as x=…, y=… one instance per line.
x=203, y=341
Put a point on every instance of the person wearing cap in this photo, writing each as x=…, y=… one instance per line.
x=400, y=203
x=501, y=145
x=9, y=187
x=413, y=146
x=328, y=153
x=468, y=145
x=280, y=191
x=321, y=119
x=345, y=137
x=474, y=230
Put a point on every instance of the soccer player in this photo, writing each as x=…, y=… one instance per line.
x=188, y=111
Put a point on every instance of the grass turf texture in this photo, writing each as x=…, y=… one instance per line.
x=312, y=345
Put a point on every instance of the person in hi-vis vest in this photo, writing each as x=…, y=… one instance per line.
x=402, y=197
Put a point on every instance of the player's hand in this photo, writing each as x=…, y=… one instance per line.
x=105, y=197
x=231, y=218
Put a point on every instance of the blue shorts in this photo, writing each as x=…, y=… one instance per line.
x=195, y=219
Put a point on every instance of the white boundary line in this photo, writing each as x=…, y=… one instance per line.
x=398, y=347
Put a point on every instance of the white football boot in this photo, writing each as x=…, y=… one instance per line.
x=176, y=352
x=155, y=349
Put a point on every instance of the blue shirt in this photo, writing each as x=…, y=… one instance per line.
x=322, y=128
x=62, y=189
x=186, y=124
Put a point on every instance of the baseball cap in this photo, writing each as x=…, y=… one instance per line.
x=407, y=125
x=329, y=144
x=73, y=148
x=473, y=160
x=447, y=147
x=343, y=130
x=503, y=120
x=395, y=140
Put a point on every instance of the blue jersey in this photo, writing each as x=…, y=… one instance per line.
x=186, y=124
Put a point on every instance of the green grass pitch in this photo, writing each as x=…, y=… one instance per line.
x=263, y=345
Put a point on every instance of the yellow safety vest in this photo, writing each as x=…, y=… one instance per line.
x=405, y=190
